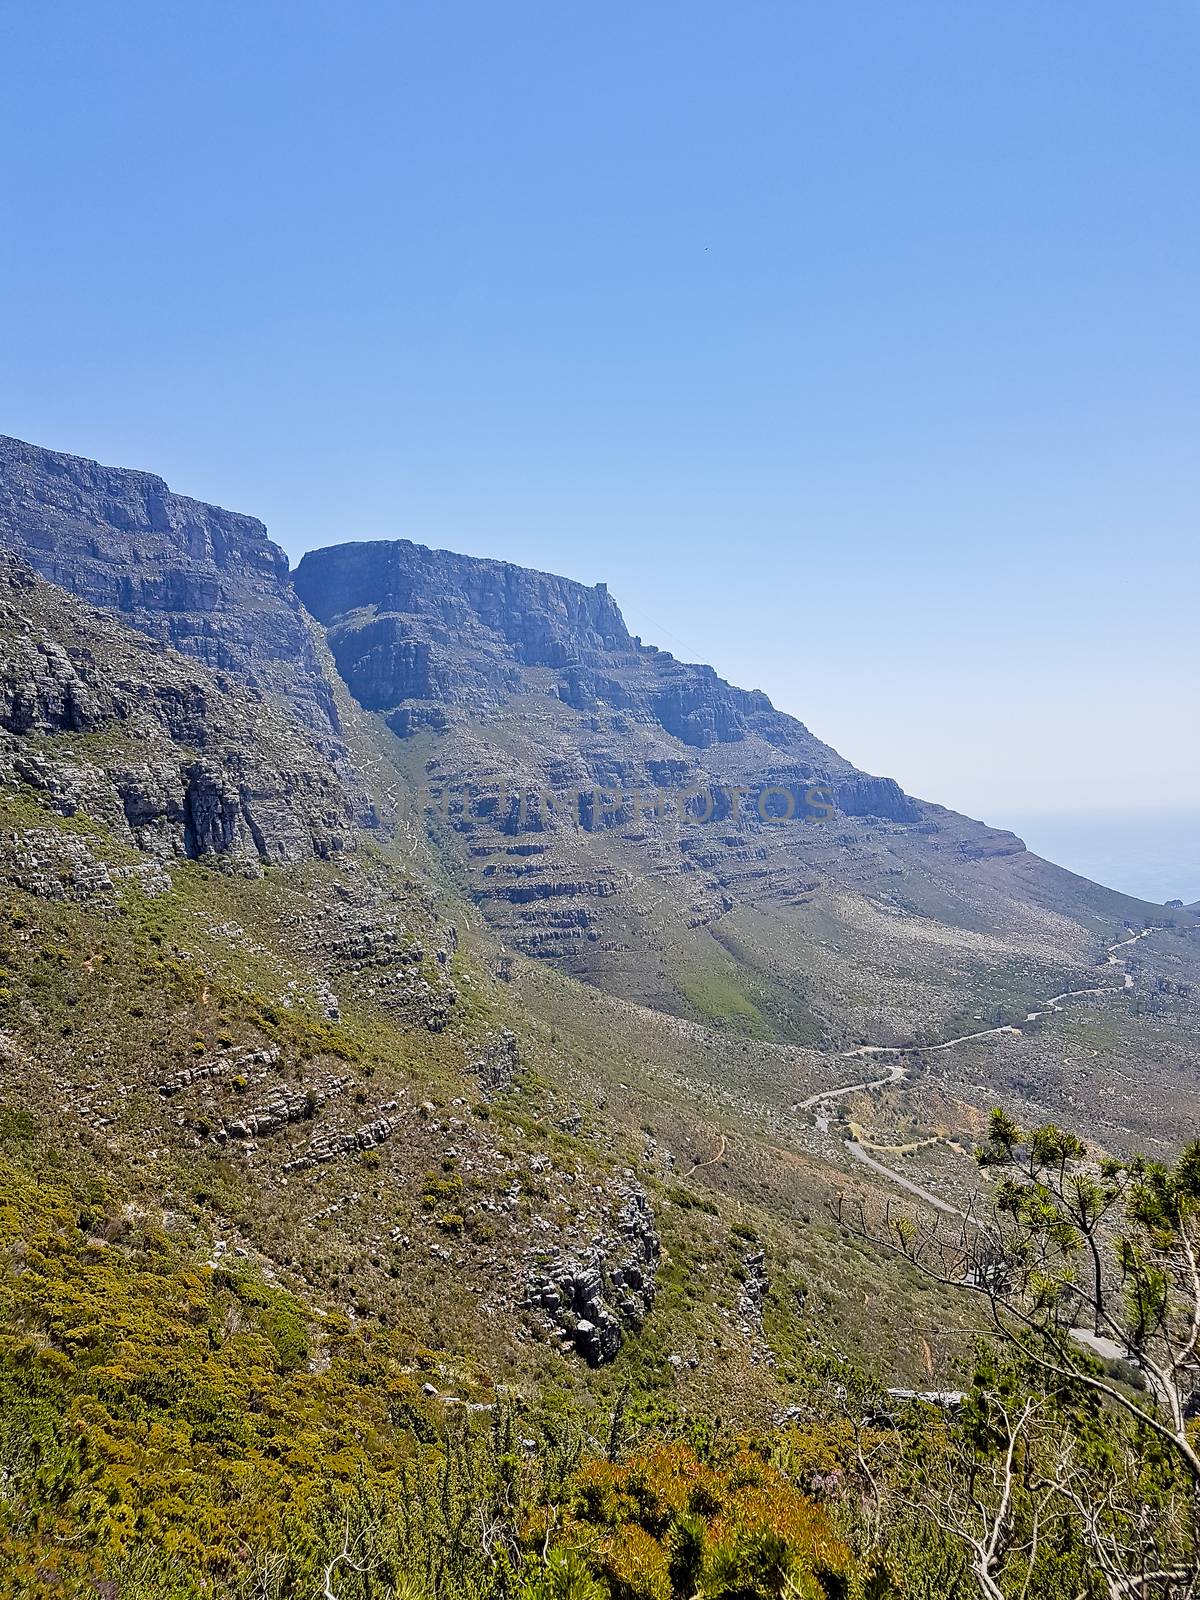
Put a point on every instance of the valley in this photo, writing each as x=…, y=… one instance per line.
x=351, y=979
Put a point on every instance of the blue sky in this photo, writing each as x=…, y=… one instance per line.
x=854, y=345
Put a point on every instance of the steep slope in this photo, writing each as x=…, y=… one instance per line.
x=676, y=840
x=434, y=639
x=164, y=754
x=208, y=582
x=623, y=818
x=360, y=1087
x=313, y=1069
x=329, y=1224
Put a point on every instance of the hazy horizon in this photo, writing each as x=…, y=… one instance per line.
x=1152, y=854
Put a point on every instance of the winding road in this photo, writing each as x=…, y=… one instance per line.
x=868, y=1160
x=901, y=1070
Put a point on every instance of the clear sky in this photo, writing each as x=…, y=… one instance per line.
x=855, y=345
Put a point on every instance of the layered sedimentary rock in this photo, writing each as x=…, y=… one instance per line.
x=206, y=581
x=159, y=751
x=643, y=824
x=581, y=777
x=434, y=639
x=633, y=818
x=590, y=1300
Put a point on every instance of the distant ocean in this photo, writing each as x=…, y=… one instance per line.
x=1152, y=854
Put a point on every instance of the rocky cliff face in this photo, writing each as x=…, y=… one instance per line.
x=540, y=619
x=174, y=758
x=429, y=637
x=417, y=633
x=635, y=819
x=639, y=822
x=205, y=581
x=580, y=776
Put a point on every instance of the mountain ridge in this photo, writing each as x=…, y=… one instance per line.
x=177, y=568
x=405, y=599
x=607, y=807
x=544, y=1106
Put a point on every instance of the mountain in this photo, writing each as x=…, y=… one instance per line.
x=168, y=756
x=629, y=819
x=208, y=582
x=435, y=640
x=676, y=840
x=632, y=820
x=435, y=1030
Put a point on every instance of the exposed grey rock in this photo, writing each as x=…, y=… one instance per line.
x=327, y=1146
x=755, y=1287
x=602, y=735
x=408, y=624
x=63, y=866
x=179, y=761
x=283, y=1106
x=206, y=581
x=593, y=1298
x=951, y=1401
x=328, y=1001
x=53, y=865
x=239, y=1061
x=497, y=1068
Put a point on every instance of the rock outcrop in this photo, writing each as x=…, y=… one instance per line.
x=537, y=722
x=328, y=1146
x=54, y=865
x=407, y=623
x=635, y=819
x=591, y=1300
x=160, y=752
x=207, y=582
x=282, y=1107
x=424, y=634
x=499, y=1065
